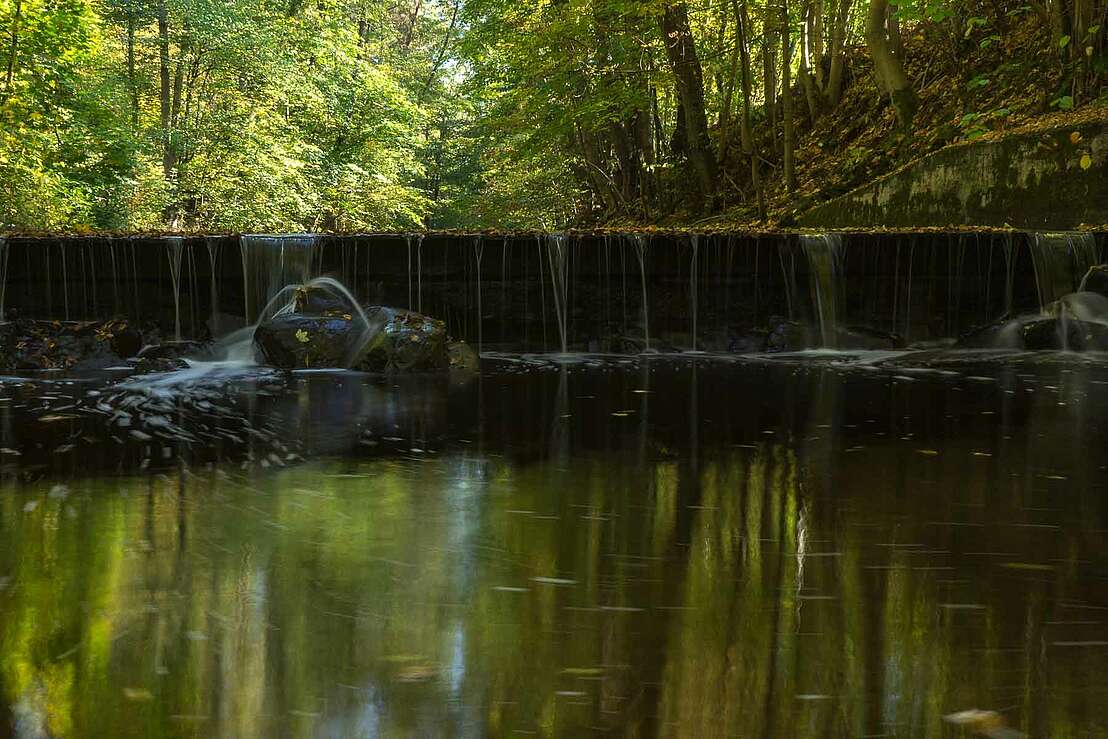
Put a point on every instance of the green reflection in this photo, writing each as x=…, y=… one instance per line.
x=748, y=594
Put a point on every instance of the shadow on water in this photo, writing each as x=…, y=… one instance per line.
x=646, y=547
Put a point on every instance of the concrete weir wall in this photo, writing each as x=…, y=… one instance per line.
x=522, y=292
x=1053, y=179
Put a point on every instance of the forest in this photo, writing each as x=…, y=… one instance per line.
x=361, y=115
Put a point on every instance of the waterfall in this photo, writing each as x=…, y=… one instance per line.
x=271, y=262
x=419, y=273
x=1061, y=261
x=213, y=258
x=556, y=255
x=693, y=285
x=824, y=254
x=640, y=252
x=3, y=275
x=478, y=252
x=175, y=247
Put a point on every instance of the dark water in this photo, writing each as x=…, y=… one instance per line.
x=670, y=547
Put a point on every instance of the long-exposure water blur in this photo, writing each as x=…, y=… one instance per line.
x=815, y=545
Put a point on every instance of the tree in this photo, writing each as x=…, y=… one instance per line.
x=889, y=70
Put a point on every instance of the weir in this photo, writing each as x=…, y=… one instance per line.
x=608, y=292
x=270, y=262
x=1061, y=262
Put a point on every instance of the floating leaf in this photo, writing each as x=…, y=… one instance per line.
x=1075, y=137
x=1086, y=161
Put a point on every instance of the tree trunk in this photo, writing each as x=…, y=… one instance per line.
x=814, y=19
x=728, y=95
x=890, y=72
x=132, y=83
x=838, y=43
x=13, y=48
x=681, y=52
x=787, y=100
x=748, y=82
x=165, y=94
x=808, y=61
x=769, y=82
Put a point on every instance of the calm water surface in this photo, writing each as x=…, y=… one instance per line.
x=670, y=547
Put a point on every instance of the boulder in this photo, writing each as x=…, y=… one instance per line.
x=786, y=336
x=295, y=341
x=27, y=344
x=998, y=334
x=1096, y=280
x=175, y=350
x=317, y=301
x=406, y=341
x=463, y=357
x=1071, y=333
x=396, y=340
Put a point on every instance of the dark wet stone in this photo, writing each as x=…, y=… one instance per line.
x=987, y=336
x=750, y=343
x=147, y=365
x=399, y=340
x=1054, y=333
x=463, y=356
x=860, y=337
x=786, y=336
x=317, y=301
x=177, y=350
x=407, y=341
x=295, y=341
x=1096, y=280
x=27, y=344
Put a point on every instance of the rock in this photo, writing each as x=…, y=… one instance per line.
x=1096, y=280
x=295, y=341
x=147, y=365
x=860, y=337
x=406, y=341
x=749, y=343
x=27, y=344
x=1084, y=306
x=313, y=300
x=1045, y=334
x=176, y=350
x=463, y=357
x=785, y=335
x=988, y=336
x=125, y=340
x=398, y=340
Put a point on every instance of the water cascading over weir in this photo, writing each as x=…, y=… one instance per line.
x=604, y=292
x=1061, y=262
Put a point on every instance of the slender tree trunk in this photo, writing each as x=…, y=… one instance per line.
x=769, y=73
x=165, y=92
x=132, y=83
x=815, y=42
x=13, y=48
x=787, y=100
x=728, y=94
x=890, y=71
x=681, y=51
x=838, y=44
x=748, y=82
x=808, y=61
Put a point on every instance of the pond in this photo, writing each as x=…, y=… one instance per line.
x=817, y=545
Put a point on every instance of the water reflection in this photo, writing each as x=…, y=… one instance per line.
x=674, y=550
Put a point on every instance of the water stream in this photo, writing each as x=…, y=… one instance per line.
x=1061, y=261
x=824, y=253
x=271, y=262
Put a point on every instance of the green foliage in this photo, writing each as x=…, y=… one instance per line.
x=280, y=118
